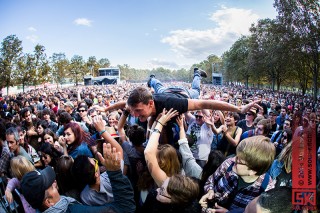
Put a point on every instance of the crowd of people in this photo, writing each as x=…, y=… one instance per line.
x=153, y=147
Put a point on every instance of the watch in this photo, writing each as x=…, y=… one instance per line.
x=156, y=131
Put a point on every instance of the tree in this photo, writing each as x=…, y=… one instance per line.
x=272, y=51
x=104, y=62
x=236, y=61
x=25, y=70
x=76, y=68
x=41, y=66
x=59, y=67
x=302, y=18
x=92, y=66
x=10, y=52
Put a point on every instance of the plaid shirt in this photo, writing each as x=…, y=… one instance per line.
x=5, y=160
x=224, y=182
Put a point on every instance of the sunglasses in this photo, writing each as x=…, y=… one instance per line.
x=67, y=157
x=198, y=116
x=96, y=166
x=249, y=114
x=82, y=110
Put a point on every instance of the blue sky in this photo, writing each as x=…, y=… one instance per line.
x=141, y=33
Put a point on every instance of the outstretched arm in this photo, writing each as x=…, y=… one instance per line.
x=117, y=105
x=196, y=104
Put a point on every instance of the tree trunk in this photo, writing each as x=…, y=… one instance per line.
x=273, y=83
x=247, y=81
x=315, y=81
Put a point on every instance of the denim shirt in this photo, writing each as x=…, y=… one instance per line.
x=83, y=149
x=275, y=169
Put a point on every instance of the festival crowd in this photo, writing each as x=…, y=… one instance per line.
x=153, y=147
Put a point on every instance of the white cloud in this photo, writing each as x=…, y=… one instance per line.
x=83, y=21
x=154, y=63
x=198, y=44
x=33, y=38
x=32, y=29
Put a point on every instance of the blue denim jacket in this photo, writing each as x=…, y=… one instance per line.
x=275, y=169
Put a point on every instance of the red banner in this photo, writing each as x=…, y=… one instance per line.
x=304, y=169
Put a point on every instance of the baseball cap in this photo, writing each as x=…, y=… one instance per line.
x=35, y=183
x=70, y=104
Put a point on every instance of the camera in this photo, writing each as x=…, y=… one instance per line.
x=212, y=203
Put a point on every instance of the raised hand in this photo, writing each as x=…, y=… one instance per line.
x=247, y=107
x=62, y=141
x=208, y=120
x=111, y=158
x=165, y=116
x=180, y=121
x=98, y=123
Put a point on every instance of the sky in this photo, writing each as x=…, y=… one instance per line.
x=144, y=34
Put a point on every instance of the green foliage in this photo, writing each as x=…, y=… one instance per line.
x=302, y=19
x=59, y=66
x=92, y=66
x=10, y=52
x=77, y=68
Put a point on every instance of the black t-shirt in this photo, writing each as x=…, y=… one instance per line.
x=168, y=101
x=243, y=125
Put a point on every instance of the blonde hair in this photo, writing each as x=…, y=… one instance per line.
x=168, y=159
x=182, y=189
x=20, y=166
x=285, y=156
x=258, y=152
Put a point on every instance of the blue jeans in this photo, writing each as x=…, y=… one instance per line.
x=192, y=93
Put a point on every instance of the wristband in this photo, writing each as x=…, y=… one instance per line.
x=156, y=131
x=159, y=123
x=126, y=113
x=101, y=132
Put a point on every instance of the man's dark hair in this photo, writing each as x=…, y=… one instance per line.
x=136, y=134
x=88, y=102
x=285, y=108
x=46, y=111
x=139, y=95
x=83, y=171
x=290, y=121
x=64, y=118
x=276, y=200
x=24, y=111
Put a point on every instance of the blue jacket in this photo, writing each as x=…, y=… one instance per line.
x=275, y=169
x=83, y=149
